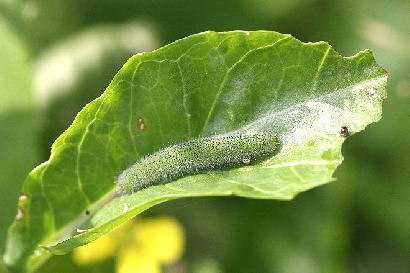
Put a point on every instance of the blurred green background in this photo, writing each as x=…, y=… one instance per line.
x=57, y=55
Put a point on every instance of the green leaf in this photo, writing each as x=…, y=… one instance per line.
x=206, y=84
x=89, y=59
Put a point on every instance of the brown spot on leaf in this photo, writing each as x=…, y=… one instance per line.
x=344, y=132
x=141, y=124
x=23, y=197
x=20, y=214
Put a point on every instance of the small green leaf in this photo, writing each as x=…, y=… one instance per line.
x=206, y=84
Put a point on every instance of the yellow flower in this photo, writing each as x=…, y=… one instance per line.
x=137, y=261
x=101, y=249
x=95, y=251
x=142, y=246
x=161, y=238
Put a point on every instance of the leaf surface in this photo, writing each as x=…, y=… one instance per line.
x=206, y=84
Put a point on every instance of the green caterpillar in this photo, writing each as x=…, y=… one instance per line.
x=196, y=156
